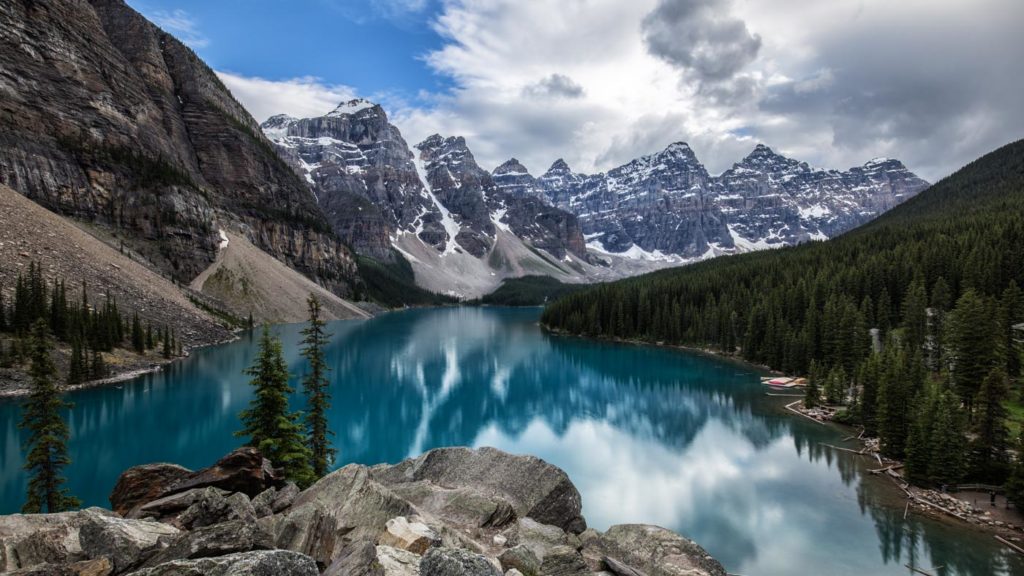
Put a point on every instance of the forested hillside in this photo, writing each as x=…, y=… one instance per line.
x=939, y=277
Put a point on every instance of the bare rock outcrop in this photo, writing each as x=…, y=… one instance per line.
x=449, y=512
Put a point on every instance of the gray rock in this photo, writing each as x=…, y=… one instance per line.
x=28, y=540
x=416, y=537
x=395, y=562
x=273, y=500
x=212, y=507
x=263, y=503
x=217, y=540
x=530, y=485
x=258, y=563
x=346, y=505
x=95, y=567
x=537, y=537
x=652, y=551
x=563, y=561
x=356, y=559
x=173, y=505
x=126, y=542
x=456, y=562
x=284, y=497
x=520, y=558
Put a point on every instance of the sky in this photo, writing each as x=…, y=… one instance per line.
x=934, y=83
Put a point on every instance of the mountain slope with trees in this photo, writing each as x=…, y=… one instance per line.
x=907, y=320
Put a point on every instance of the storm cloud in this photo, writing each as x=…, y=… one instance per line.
x=700, y=36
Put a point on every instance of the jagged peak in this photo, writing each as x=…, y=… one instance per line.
x=278, y=120
x=678, y=150
x=351, y=107
x=511, y=166
x=559, y=166
x=435, y=141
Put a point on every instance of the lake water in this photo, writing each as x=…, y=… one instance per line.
x=648, y=435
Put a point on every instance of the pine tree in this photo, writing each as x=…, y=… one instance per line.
x=915, y=317
x=989, y=459
x=98, y=368
x=1015, y=483
x=167, y=343
x=812, y=394
x=138, y=337
x=972, y=344
x=150, y=342
x=48, y=434
x=77, y=370
x=315, y=387
x=267, y=423
x=947, y=463
x=918, y=452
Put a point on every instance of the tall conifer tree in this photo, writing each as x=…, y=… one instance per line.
x=47, y=432
x=268, y=424
x=315, y=386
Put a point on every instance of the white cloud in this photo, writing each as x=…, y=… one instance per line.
x=181, y=24
x=832, y=83
x=304, y=97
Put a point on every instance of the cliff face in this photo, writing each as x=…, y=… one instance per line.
x=667, y=203
x=362, y=173
x=106, y=118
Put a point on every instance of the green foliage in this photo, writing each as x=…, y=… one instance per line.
x=46, y=445
x=267, y=423
x=962, y=239
x=988, y=456
x=394, y=284
x=935, y=446
x=315, y=387
x=138, y=336
x=528, y=291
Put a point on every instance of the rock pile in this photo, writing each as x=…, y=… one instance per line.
x=449, y=512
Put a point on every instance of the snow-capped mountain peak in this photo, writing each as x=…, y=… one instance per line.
x=351, y=107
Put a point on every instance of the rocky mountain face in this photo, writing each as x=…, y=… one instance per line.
x=373, y=189
x=667, y=206
x=362, y=174
x=108, y=119
x=483, y=203
x=449, y=512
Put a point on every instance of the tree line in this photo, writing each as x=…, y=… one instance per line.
x=89, y=329
x=907, y=322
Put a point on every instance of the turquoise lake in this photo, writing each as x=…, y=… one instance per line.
x=648, y=435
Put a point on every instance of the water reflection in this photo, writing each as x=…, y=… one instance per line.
x=648, y=435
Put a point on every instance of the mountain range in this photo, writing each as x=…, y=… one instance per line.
x=464, y=229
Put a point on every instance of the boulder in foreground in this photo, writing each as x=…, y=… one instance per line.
x=449, y=512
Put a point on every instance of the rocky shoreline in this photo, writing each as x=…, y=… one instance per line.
x=449, y=512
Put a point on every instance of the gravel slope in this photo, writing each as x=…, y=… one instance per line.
x=245, y=279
